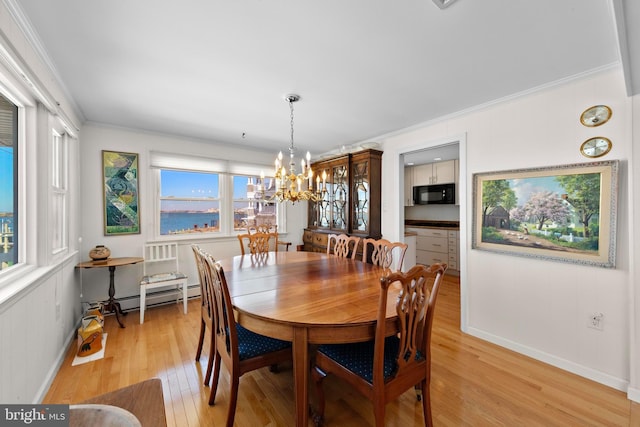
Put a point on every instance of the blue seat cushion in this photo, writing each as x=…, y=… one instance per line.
x=358, y=357
x=251, y=344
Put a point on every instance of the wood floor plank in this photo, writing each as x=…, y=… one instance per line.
x=474, y=383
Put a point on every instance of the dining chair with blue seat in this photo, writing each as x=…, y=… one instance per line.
x=395, y=360
x=206, y=310
x=238, y=348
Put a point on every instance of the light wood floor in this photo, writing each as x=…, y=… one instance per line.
x=474, y=383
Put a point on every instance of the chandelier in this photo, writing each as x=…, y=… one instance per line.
x=292, y=186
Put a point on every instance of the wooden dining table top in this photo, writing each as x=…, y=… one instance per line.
x=305, y=288
x=306, y=298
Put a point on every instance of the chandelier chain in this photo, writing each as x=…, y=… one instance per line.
x=291, y=108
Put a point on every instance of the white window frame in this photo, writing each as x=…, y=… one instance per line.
x=218, y=198
x=226, y=169
x=59, y=192
x=26, y=241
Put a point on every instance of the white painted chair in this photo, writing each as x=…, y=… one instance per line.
x=162, y=270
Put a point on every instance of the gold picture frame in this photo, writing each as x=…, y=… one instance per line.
x=561, y=213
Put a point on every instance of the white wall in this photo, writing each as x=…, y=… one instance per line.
x=96, y=138
x=536, y=307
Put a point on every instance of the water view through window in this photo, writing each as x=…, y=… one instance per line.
x=8, y=183
x=190, y=202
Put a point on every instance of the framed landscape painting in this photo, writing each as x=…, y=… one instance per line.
x=120, y=186
x=561, y=213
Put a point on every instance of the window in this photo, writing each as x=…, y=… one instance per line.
x=8, y=183
x=202, y=195
x=189, y=202
x=59, y=226
x=246, y=210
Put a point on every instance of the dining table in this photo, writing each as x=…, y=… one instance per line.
x=306, y=298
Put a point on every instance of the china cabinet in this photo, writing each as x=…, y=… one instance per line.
x=351, y=199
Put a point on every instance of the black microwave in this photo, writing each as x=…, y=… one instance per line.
x=440, y=194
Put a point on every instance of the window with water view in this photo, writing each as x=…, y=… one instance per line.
x=8, y=183
x=194, y=202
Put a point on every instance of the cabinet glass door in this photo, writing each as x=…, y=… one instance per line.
x=340, y=197
x=323, y=206
x=361, y=196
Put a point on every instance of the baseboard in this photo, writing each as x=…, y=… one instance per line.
x=156, y=298
x=53, y=371
x=633, y=394
x=592, y=374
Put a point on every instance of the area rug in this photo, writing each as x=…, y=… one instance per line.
x=79, y=360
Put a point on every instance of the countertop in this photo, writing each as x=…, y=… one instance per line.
x=452, y=225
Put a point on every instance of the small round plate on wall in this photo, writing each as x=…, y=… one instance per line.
x=596, y=147
x=595, y=116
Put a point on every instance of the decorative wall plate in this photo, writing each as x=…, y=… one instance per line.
x=595, y=116
x=596, y=147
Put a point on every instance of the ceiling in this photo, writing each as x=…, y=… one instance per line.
x=219, y=70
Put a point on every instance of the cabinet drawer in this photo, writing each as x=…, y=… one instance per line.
x=431, y=232
x=307, y=236
x=320, y=239
x=428, y=257
x=434, y=244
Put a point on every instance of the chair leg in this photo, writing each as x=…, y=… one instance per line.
x=203, y=326
x=318, y=376
x=143, y=301
x=233, y=400
x=216, y=377
x=212, y=354
x=426, y=404
x=378, y=410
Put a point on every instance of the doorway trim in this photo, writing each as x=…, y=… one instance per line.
x=462, y=189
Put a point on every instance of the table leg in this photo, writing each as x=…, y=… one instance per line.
x=112, y=304
x=301, y=375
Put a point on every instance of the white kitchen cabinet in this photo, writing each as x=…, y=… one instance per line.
x=432, y=246
x=408, y=185
x=454, y=250
x=437, y=245
x=435, y=173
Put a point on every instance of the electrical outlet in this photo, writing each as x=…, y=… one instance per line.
x=596, y=321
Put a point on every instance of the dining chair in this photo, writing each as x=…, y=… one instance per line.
x=381, y=252
x=384, y=368
x=342, y=245
x=257, y=242
x=206, y=310
x=239, y=349
x=268, y=228
x=161, y=269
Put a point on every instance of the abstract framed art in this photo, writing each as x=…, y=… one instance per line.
x=561, y=213
x=120, y=189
